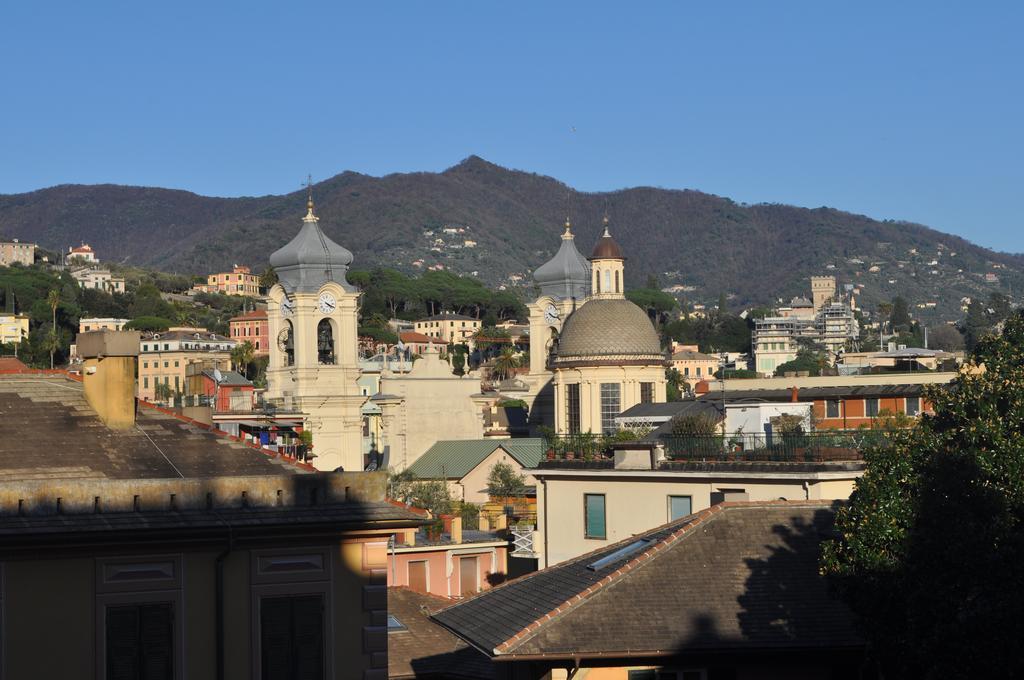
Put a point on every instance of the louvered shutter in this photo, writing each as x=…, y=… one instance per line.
x=308, y=637
x=156, y=630
x=122, y=632
x=275, y=638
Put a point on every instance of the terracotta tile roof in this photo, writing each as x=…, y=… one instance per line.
x=412, y=336
x=425, y=649
x=49, y=427
x=12, y=365
x=255, y=315
x=736, y=577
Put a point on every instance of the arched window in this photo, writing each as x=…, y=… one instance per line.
x=597, y=280
x=286, y=343
x=607, y=280
x=617, y=282
x=325, y=342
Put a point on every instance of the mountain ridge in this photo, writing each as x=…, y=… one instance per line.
x=705, y=243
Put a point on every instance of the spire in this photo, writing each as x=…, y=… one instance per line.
x=567, y=234
x=605, y=223
x=309, y=200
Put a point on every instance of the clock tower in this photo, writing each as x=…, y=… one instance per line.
x=564, y=284
x=313, y=320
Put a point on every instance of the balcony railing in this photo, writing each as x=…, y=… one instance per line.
x=793, y=447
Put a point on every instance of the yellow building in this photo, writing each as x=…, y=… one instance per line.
x=13, y=328
x=164, y=357
x=100, y=324
x=693, y=365
x=170, y=551
x=451, y=328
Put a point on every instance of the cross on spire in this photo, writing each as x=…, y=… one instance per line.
x=309, y=195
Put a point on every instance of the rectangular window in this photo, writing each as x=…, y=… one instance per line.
x=572, y=406
x=646, y=393
x=679, y=506
x=871, y=407
x=593, y=511
x=686, y=370
x=610, y=406
x=698, y=371
x=832, y=408
x=145, y=383
x=913, y=406
x=469, y=576
x=140, y=641
x=292, y=637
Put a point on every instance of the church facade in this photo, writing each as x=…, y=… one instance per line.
x=593, y=353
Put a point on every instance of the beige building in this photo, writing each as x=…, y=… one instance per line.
x=178, y=553
x=100, y=324
x=427, y=405
x=13, y=328
x=82, y=253
x=98, y=279
x=164, y=357
x=582, y=509
x=693, y=365
x=312, y=315
x=608, y=357
x=466, y=464
x=239, y=281
x=451, y=328
x=16, y=252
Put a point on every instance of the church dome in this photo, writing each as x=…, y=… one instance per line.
x=606, y=248
x=609, y=329
x=567, y=274
x=311, y=259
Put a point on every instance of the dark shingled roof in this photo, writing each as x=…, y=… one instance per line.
x=735, y=577
x=51, y=432
x=425, y=649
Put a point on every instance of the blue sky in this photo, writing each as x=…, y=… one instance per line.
x=896, y=110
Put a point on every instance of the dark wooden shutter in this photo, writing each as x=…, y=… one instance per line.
x=418, y=577
x=122, y=631
x=140, y=642
x=292, y=638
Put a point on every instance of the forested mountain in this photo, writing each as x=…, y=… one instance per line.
x=707, y=244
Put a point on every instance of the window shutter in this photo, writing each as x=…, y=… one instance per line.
x=275, y=642
x=308, y=637
x=156, y=626
x=122, y=630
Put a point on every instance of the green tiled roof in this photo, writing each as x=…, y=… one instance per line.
x=454, y=459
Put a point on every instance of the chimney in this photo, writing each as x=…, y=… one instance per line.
x=108, y=375
x=408, y=536
x=794, y=394
x=455, y=531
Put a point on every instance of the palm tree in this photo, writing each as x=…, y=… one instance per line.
x=242, y=355
x=53, y=342
x=505, y=364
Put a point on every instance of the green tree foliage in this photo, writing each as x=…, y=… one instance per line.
x=505, y=364
x=242, y=357
x=899, y=316
x=674, y=387
x=946, y=338
x=503, y=481
x=716, y=333
x=149, y=323
x=807, y=359
x=700, y=424
x=658, y=305
x=930, y=553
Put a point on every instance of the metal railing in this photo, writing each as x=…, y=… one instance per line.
x=838, y=445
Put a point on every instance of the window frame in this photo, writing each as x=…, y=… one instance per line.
x=917, y=407
x=150, y=588
x=668, y=504
x=838, y=403
x=868, y=402
x=608, y=426
x=586, y=516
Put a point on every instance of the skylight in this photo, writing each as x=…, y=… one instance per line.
x=394, y=624
x=625, y=551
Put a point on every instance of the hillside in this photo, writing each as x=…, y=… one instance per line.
x=705, y=243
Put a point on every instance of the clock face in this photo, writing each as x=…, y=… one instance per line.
x=326, y=304
x=551, y=315
x=287, y=306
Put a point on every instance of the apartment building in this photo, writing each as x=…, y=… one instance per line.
x=254, y=328
x=16, y=252
x=449, y=327
x=239, y=281
x=98, y=279
x=693, y=365
x=164, y=357
x=101, y=324
x=13, y=328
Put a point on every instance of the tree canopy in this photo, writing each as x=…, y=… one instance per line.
x=930, y=553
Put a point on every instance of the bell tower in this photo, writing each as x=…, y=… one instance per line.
x=607, y=264
x=313, y=320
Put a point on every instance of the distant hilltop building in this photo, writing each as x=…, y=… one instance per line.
x=84, y=253
x=98, y=279
x=239, y=281
x=16, y=252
